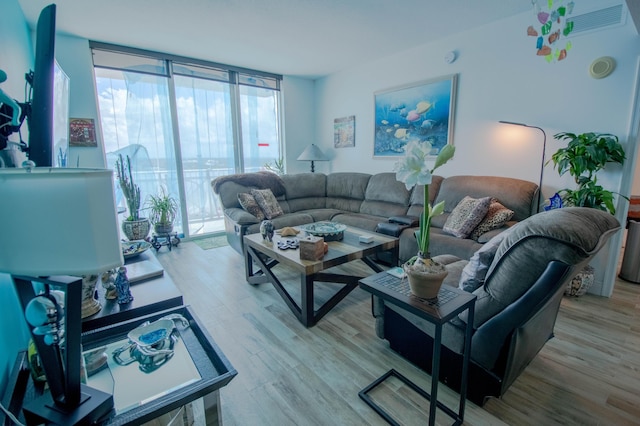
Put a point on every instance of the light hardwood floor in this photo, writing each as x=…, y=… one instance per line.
x=589, y=374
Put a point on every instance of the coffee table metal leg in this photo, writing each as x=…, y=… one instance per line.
x=307, y=317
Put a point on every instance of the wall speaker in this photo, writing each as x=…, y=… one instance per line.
x=602, y=67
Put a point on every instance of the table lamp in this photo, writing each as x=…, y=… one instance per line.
x=59, y=224
x=312, y=153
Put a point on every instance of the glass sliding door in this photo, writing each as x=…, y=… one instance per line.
x=260, y=126
x=184, y=122
x=206, y=146
x=136, y=123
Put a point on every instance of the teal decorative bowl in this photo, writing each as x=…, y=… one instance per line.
x=330, y=231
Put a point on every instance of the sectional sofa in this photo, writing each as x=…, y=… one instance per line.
x=368, y=200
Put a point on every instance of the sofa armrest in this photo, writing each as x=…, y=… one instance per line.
x=391, y=229
x=408, y=220
x=240, y=216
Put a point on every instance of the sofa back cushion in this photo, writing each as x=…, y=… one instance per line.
x=515, y=194
x=417, y=195
x=385, y=196
x=346, y=191
x=305, y=191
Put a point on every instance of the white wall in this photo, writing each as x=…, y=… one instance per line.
x=500, y=78
x=74, y=56
x=16, y=58
x=299, y=121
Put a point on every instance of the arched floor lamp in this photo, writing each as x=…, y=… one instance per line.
x=544, y=148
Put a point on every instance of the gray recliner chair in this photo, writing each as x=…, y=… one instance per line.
x=516, y=307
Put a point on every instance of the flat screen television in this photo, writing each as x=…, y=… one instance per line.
x=48, y=115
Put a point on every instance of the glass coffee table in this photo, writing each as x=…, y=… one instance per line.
x=266, y=255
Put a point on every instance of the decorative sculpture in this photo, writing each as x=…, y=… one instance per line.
x=266, y=230
x=108, y=279
x=122, y=286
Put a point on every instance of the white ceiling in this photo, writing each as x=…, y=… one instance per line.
x=307, y=38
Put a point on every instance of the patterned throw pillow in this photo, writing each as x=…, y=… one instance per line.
x=267, y=202
x=474, y=273
x=496, y=217
x=249, y=204
x=466, y=216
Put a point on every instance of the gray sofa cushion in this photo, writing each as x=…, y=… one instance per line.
x=345, y=191
x=305, y=191
x=359, y=220
x=515, y=194
x=385, y=196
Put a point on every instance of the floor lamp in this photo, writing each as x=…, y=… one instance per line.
x=60, y=224
x=544, y=148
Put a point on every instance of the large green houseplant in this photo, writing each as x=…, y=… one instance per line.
x=413, y=170
x=585, y=155
x=134, y=226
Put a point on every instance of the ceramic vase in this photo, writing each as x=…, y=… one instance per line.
x=90, y=304
x=163, y=228
x=136, y=229
x=425, y=282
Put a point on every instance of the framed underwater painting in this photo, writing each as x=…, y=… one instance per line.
x=422, y=111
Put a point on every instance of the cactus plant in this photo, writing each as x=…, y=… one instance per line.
x=130, y=190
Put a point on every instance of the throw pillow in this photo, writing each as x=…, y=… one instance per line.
x=496, y=217
x=474, y=273
x=267, y=202
x=466, y=216
x=249, y=204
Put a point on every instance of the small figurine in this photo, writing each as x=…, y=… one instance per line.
x=108, y=279
x=266, y=230
x=122, y=285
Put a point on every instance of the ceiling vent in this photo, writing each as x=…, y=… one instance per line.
x=598, y=19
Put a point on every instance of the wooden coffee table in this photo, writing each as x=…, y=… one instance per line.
x=266, y=255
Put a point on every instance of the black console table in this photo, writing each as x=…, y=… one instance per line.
x=149, y=296
x=451, y=302
x=212, y=369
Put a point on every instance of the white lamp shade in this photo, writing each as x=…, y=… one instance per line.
x=312, y=153
x=58, y=222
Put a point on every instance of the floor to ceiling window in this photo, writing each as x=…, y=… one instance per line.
x=183, y=122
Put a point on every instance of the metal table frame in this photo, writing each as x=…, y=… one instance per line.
x=438, y=312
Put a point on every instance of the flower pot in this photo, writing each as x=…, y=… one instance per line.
x=136, y=229
x=581, y=282
x=163, y=228
x=425, y=277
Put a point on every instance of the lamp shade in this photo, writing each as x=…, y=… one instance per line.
x=312, y=153
x=58, y=221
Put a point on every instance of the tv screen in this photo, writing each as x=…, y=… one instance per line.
x=41, y=117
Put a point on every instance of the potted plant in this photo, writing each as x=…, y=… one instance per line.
x=134, y=226
x=163, y=210
x=276, y=166
x=425, y=275
x=585, y=155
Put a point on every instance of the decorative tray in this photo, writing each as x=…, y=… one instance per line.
x=134, y=248
x=330, y=231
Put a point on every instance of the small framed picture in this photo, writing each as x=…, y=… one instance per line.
x=82, y=132
x=344, y=132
